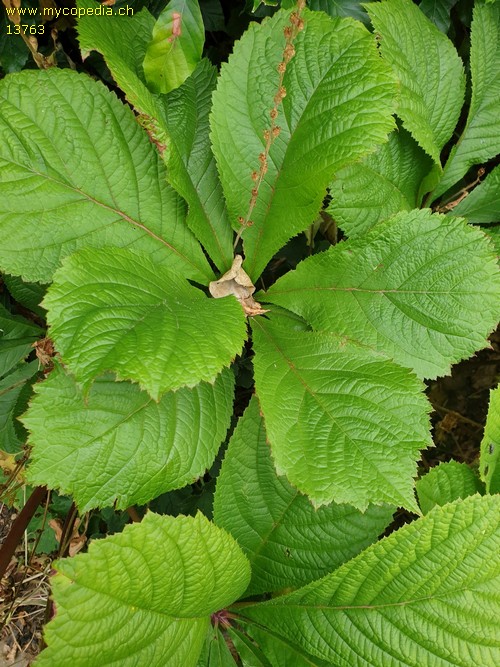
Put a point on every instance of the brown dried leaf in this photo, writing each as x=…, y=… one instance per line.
x=237, y=282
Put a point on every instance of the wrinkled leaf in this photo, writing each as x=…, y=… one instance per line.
x=483, y=203
x=118, y=444
x=422, y=288
x=116, y=310
x=445, y=483
x=141, y=598
x=490, y=445
x=344, y=423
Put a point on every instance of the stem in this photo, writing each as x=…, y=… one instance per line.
x=134, y=514
x=19, y=526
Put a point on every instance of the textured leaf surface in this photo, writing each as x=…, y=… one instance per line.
x=191, y=164
x=490, y=445
x=427, y=596
x=175, y=47
x=287, y=541
x=430, y=72
x=338, y=107
x=483, y=203
x=144, y=596
x=344, y=424
x=118, y=444
x=381, y=185
x=445, y=483
x=11, y=387
x=109, y=35
x=116, y=310
x=480, y=140
x=422, y=288
x=17, y=336
x=215, y=652
x=53, y=122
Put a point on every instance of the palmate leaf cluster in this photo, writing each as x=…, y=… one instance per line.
x=120, y=215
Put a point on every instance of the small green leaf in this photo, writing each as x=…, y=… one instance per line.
x=118, y=444
x=216, y=652
x=422, y=288
x=445, y=483
x=426, y=595
x=490, y=445
x=176, y=46
x=342, y=8
x=338, y=106
x=430, y=72
x=53, y=122
x=438, y=11
x=108, y=35
x=381, y=185
x=11, y=387
x=144, y=596
x=29, y=295
x=17, y=336
x=191, y=164
x=480, y=140
x=344, y=424
x=116, y=310
x=287, y=541
x=483, y=203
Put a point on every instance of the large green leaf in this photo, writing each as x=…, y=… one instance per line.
x=108, y=35
x=118, y=444
x=427, y=596
x=175, y=47
x=144, y=596
x=480, y=139
x=344, y=424
x=116, y=310
x=429, y=70
x=381, y=185
x=490, y=445
x=77, y=170
x=338, y=105
x=287, y=541
x=483, y=203
x=17, y=336
x=191, y=164
x=422, y=288
x=354, y=8
x=11, y=387
x=445, y=483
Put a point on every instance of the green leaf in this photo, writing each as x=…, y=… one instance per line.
x=277, y=652
x=108, y=35
x=216, y=652
x=430, y=72
x=425, y=595
x=287, y=541
x=17, y=336
x=493, y=232
x=175, y=47
x=381, y=185
x=118, y=444
x=343, y=8
x=144, y=596
x=191, y=165
x=116, y=310
x=54, y=122
x=480, y=139
x=445, y=483
x=28, y=295
x=423, y=289
x=490, y=445
x=483, y=203
x=344, y=424
x=438, y=11
x=321, y=131
x=11, y=387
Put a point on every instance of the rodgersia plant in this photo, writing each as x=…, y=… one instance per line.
x=152, y=223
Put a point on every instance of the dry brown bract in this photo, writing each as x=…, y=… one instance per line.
x=237, y=282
